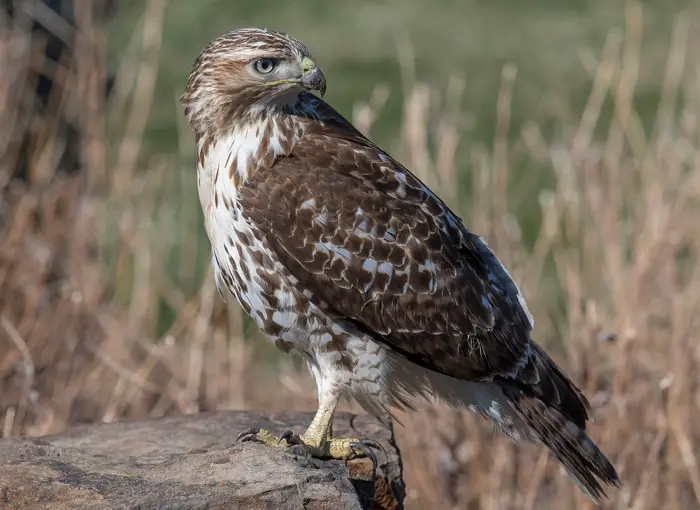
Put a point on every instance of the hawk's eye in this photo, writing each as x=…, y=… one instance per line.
x=265, y=65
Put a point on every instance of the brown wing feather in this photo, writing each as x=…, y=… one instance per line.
x=370, y=240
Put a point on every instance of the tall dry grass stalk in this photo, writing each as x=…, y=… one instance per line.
x=92, y=255
x=84, y=244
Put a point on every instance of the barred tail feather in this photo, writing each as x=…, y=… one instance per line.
x=570, y=445
x=539, y=404
x=556, y=411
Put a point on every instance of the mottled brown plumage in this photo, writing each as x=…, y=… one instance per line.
x=339, y=252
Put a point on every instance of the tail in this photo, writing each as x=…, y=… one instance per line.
x=539, y=403
x=556, y=412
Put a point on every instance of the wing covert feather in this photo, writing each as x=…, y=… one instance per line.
x=373, y=244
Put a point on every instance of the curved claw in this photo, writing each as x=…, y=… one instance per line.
x=365, y=446
x=247, y=435
x=291, y=437
x=373, y=444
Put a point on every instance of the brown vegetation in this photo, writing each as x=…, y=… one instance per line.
x=87, y=270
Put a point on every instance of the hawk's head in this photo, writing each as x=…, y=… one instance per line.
x=246, y=72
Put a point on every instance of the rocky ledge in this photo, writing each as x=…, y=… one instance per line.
x=193, y=462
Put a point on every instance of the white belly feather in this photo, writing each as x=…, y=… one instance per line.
x=234, y=265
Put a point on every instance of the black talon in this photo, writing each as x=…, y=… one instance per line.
x=290, y=436
x=373, y=456
x=367, y=443
x=365, y=446
x=374, y=444
x=247, y=435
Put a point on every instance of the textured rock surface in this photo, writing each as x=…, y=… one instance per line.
x=192, y=462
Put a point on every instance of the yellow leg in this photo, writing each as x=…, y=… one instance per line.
x=318, y=438
x=318, y=434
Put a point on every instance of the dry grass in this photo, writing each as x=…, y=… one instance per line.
x=89, y=260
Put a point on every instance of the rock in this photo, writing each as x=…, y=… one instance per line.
x=192, y=462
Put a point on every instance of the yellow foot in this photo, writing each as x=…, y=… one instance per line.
x=341, y=449
x=350, y=448
x=262, y=436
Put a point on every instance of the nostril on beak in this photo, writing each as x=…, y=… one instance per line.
x=307, y=65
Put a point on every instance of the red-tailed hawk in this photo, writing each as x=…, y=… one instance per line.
x=339, y=252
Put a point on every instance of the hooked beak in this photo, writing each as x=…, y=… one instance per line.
x=312, y=77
